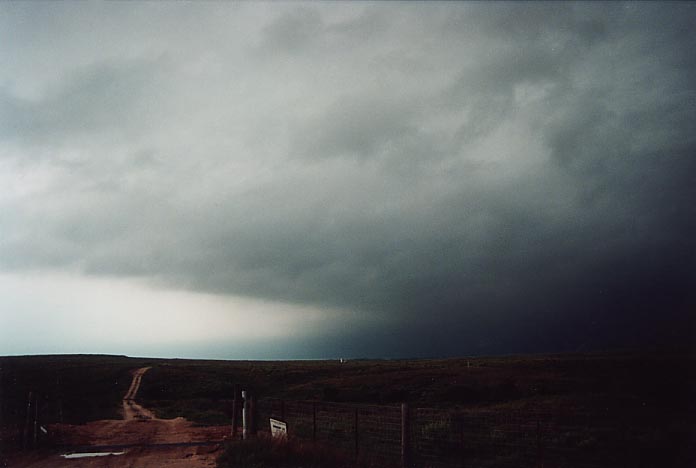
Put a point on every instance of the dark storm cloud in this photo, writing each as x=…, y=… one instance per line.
x=100, y=98
x=472, y=177
x=355, y=127
x=294, y=30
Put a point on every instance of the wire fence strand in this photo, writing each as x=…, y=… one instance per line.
x=443, y=438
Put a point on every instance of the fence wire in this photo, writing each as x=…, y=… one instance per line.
x=442, y=438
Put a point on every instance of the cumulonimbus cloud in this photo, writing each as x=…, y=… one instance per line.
x=441, y=167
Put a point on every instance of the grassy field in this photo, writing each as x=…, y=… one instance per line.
x=624, y=391
x=619, y=383
x=82, y=388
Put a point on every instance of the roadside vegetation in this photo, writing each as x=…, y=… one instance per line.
x=269, y=453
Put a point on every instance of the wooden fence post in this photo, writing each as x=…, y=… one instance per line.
x=461, y=441
x=27, y=422
x=235, y=410
x=540, y=447
x=36, y=421
x=355, y=425
x=60, y=400
x=405, y=436
x=314, y=421
x=252, y=415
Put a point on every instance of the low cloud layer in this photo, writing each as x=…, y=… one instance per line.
x=444, y=178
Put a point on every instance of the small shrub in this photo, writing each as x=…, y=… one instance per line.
x=439, y=435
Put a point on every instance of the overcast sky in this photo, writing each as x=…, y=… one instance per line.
x=305, y=180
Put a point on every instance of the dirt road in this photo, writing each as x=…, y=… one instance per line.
x=132, y=410
x=146, y=440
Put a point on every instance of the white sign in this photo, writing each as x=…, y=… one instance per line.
x=279, y=428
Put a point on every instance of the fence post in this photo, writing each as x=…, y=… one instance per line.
x=314, y=421
x=462, y=452
x=355, y=424
x=235, y=410
x=405, y=436
x=25, y=438
x=245, y=415
x=540, y=447
x=252, y=415
x=36, y=421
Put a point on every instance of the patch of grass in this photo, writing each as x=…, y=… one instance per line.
x=199, y=410
x=270, y=453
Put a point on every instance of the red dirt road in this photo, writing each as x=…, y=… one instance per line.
x=139, y=427
x=132, y=410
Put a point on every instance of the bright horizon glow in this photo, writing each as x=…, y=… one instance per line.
x=75, y=314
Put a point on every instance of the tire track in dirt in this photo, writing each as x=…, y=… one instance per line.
x=131, y=409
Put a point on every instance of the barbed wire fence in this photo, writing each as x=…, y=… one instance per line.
x=401, y=436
